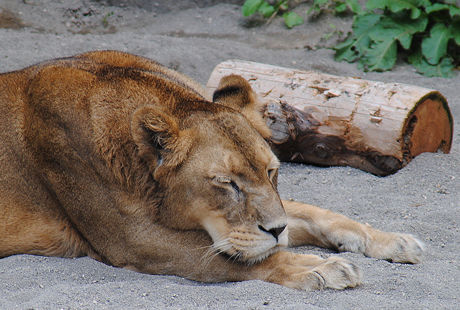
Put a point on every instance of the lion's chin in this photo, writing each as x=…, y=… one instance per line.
x=248, y=257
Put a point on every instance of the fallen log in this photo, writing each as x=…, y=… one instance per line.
x=329, y=120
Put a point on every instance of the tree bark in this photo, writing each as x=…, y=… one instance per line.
x=329, y=120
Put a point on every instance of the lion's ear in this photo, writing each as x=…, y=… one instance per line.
x=157, y=136
x=236, y=93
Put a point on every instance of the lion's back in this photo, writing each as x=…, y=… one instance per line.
x=62, y=92
x=125, y=60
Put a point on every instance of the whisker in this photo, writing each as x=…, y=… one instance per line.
x=214, y=250
x=204, y=247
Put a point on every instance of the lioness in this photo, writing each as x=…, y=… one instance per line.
x=113, y=156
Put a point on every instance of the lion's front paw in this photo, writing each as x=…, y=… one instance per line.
x=396, y=247
x=337, y=273
x=310, y=272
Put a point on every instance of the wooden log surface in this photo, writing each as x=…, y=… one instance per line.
x=329, y=120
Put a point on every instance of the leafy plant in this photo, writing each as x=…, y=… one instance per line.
x=428, y=33
x=425, y=32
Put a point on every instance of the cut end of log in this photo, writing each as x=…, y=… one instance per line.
x=428, y=127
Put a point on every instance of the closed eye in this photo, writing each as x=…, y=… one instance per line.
x=235, y=186
x=227, y=180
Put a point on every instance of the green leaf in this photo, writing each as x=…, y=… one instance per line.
x=266, y=9
x=437, y=7
x=384, y=35
x=455, y=30
x=283, y=5
x=316, y=6
x=251, y=6
x=382, y=53
x=292, y=19
x=443, y=69
x=340, y=8
x=404, y=29
x=345, y=51
x=354, y=6
x=435, y=46
x=376, y=4
x=453, y=10
x=396, y=6
x=359, y=41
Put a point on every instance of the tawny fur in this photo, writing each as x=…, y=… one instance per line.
x=114, y=156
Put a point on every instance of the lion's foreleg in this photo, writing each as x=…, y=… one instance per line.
x=190, y=254
x=308, y=224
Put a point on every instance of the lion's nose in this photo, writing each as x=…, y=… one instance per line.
x=275, y=232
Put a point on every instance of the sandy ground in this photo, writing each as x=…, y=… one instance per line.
x=423, y=198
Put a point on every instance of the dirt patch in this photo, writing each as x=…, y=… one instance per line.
x=9, y=20
x=85, y=20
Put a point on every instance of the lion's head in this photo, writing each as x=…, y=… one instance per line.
x=215, y=170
